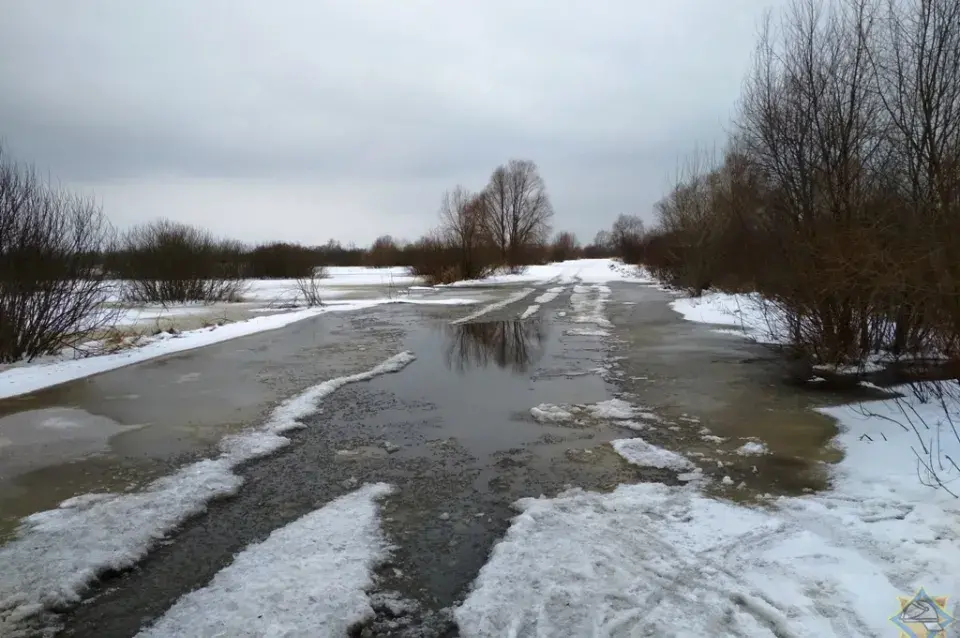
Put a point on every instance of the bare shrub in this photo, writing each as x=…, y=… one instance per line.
x=170, y=262
x=281, y=260
x=308, y=287
x=53, y=292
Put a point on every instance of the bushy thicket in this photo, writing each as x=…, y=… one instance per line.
x=52, y=292
x=837, y=197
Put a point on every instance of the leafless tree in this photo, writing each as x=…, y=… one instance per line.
x=627, y=237
x=463, y=217
x=519, y=211
x=564, y=247
x=52, y=289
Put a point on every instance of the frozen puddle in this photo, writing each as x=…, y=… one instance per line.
x=306, y=579
x=59, y=553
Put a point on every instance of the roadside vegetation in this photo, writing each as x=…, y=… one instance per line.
x=837, y=195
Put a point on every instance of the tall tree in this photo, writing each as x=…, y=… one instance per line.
x=519, y=211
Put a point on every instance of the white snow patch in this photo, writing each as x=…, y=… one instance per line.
x=753, y=448
x=58, y=553
x=306, y=579
x=586, y=332
x=30, y=378
x=495, y=306
x=746, y=312
x=639, y=452
x=612, y=409
x=549, y=295
x=549, y=413
x=589, y=308
x=530, y=311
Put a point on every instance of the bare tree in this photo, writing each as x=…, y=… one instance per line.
x=627, y=237
x=519, y=211
x=52, y=289
x=565, y=246
x=463, y=217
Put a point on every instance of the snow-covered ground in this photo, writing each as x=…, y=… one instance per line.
x=306, y=579
x=58, y=553
x=588, y=271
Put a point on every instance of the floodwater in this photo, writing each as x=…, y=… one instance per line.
x=126, y=427
x=453, y=432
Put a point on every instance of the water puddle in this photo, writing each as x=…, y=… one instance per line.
x=116, y=431
x=723, y=401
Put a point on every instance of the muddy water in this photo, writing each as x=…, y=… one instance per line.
x=696, y=378
x=118, y=430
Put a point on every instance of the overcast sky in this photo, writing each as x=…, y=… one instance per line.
x=315, y=119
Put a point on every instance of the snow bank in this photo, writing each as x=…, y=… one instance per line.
x=517, y=296
x=656, y=560
x=745, y=312
x=652, y=560
x=639, y=452
x=58, y=553
x=306, y=579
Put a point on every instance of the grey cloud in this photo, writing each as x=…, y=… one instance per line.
x=366, y=102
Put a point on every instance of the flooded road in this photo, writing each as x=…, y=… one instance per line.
x=453, y=431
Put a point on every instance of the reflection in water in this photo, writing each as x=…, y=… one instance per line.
x=513, y=344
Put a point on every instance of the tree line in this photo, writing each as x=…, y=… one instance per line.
x=837, y=195
x=63, y=265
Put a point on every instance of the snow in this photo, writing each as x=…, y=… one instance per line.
x=590, y=271
x=530, y=311
x=751, y=448
x=549, y=296
x=515, y=297
x=306, y=579
x=548, y=413
x=58, y=553
x=651, y=559
x=588, y=308
x=639, y=452
x=612, y=409
x=743, y=311
x=585, y=332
